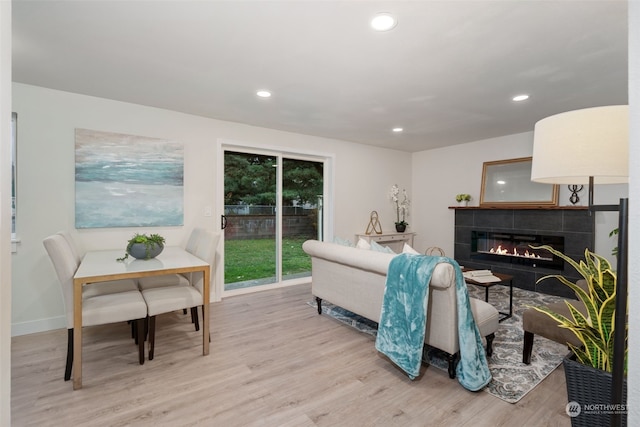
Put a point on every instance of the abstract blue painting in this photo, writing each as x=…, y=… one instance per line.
x=128, y=181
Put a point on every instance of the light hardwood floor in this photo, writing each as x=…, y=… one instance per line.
x=273, y=362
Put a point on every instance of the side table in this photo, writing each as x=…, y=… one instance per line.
x=393, y=240
x=504, y=279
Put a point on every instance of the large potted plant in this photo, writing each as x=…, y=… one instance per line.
x=588, y=369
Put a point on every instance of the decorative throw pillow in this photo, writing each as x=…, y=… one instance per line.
x=343, y=242
x=363, y=244
x=379, y=248
x=406, y=249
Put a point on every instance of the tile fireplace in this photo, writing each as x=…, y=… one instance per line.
x=499, y=239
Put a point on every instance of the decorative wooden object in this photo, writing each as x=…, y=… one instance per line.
x=374, y=224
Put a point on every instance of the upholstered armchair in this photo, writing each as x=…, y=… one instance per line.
x=537, y=323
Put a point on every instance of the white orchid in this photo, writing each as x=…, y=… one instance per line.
x=401, y=199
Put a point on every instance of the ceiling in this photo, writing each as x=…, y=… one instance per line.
x=446, y=73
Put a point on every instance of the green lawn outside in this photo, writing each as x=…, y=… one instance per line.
x=255, y=259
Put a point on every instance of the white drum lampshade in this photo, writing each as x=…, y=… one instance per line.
x=570, y=147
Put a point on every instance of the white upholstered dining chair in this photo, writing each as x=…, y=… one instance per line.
x=174, y=279
x=75, y=250
x=151, y=282
x=102, y=303
x=168, y=298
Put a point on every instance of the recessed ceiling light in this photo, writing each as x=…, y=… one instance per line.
x=383, y=22
x=263, y=93
x=397, y=130
x=519, y=98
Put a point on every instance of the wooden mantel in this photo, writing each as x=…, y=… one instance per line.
x=521, y=207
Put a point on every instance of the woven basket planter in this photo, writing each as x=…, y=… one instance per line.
x=591, y=388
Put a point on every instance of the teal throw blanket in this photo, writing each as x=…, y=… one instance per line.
x=403, y=320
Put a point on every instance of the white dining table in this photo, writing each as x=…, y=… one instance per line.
x=102, y=266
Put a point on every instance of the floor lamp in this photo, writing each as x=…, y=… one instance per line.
x=592, y=146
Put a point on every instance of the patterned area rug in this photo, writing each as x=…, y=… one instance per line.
x=512, y=379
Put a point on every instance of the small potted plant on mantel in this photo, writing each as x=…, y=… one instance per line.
x=588, y=369
x=143, y=246
x=463, y=199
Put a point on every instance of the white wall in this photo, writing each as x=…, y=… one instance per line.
x=436, y=183
x=5, y=214
x=440, y=174
x=634, y=213
x=46, y=122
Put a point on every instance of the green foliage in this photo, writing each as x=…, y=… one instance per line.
x=595, y=331
x=302, y=182
x=614, y=232
x=250, y=179
x=149, y=241
x=460, y=197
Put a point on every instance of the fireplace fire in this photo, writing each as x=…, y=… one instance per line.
x=516, y=248
x=504, y=251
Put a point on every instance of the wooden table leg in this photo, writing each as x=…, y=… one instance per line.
x=77, y=335
x=205, y=310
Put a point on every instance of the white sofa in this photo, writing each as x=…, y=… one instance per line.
x=354, y=279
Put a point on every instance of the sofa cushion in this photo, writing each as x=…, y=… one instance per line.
x=379, y=248
x=343, y=242
x=377, y=262
x=363, y=244
x=406, y=249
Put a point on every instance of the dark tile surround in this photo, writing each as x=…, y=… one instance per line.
x=577, y=227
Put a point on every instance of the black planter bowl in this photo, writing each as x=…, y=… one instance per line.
x=139, y=250
x=400, y=228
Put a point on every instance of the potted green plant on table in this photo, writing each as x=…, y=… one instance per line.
x=463, y=199
x=588, y=369
x=143, y=246
x=402, y=207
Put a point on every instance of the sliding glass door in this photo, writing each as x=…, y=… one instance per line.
x=302, y=184
x=272, y=204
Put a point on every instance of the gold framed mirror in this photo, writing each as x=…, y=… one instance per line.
x=508, y=183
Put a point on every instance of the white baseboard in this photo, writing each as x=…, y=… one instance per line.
x=41, y=325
